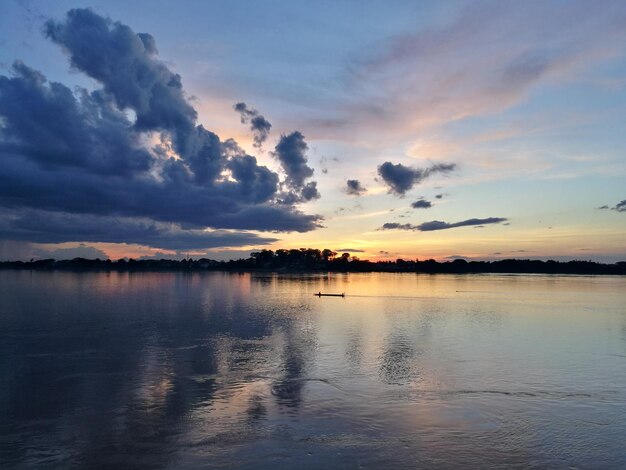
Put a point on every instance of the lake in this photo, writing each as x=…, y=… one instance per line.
x=229, y=370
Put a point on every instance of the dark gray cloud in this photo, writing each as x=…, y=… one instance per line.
x=259, y=126
x=82, y=251
x=49, y=167
x=24, y=184
x=349, y=250
x=310, y=192
x=125, y=64
x=421, y=204
x=401, y=178
x=307, y=193
x=77, y=153
x=47, y=124
x=291, y=153
x=57, y=227
x=397, y=226
x=439, y=225
x=354, y=188
x=619, y=207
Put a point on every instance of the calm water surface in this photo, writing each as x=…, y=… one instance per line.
x=229, y=370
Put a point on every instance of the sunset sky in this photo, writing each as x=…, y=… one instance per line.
x=479, y=129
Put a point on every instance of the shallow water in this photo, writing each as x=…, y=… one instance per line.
x=175, y=370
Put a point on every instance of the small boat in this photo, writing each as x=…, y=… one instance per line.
x=319, y=294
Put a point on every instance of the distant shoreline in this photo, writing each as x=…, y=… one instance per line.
x=308, y=262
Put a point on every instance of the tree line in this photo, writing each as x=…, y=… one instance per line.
x=314, y=260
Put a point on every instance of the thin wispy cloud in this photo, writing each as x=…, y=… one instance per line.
x=485, y=60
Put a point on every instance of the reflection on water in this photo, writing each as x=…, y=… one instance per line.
x=176, y=370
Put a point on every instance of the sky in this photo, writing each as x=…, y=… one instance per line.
x=475, y=129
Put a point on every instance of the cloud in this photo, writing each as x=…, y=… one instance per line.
x=47, y=124
x=401, y=178
x=309, y=191
x=259, y=126
x=398, y=226
x=82, y=251
x=15, y=250
x=619, y=207
x=439, y=225
x=323, y=161
x=453, y=257
x=421, y=204
x=57, y=227
x=349, y=250
x=78, y=156
x=354, y=188
x=291, y=154
x=46, y=166
x=125, y=64
x=486, y=58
